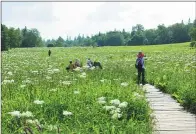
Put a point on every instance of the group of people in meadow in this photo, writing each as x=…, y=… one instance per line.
x=77, y=63
x=90, y=64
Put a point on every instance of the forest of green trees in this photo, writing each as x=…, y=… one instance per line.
x=176, y=33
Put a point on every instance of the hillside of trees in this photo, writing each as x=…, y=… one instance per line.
x=138, y=35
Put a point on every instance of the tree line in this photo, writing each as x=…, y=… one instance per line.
x=176, y=33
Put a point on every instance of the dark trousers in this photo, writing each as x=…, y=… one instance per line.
x=141, y=71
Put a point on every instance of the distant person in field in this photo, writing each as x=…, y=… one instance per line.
x=49, y=53
x=71, y=66
x=140, y=67
x=95, y=64
x=78, y=63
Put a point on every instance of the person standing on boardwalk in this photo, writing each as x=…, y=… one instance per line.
x=49, y=53
x=140, y=68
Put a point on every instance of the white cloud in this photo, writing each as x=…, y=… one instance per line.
x=55, y=19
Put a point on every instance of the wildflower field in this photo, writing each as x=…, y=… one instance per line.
x=40, y=96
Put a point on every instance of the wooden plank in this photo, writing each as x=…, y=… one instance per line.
x=175, y=132
x=172, y=128
x=166, y=106
x=176, y=119
x=161, y=99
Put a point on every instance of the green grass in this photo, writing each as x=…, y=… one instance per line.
x=166, y=67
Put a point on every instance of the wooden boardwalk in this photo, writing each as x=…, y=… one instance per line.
x=169, y=116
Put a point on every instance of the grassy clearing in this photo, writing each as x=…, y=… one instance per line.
x=72, y=100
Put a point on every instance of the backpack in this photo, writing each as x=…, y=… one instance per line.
x=140, y=64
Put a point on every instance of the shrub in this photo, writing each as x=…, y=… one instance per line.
x=193, y=44
x=50, y=45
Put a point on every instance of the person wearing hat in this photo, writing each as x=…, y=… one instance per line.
x=140, y=67
x=71, y=66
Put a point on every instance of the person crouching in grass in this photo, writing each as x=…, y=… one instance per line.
x=71, y=66
x=78, y=63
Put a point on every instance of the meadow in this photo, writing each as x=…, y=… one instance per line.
x=40, y=96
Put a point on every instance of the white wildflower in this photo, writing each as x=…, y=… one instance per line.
x=26, y=81
x=15, y=113
x=53, y=90
x=30, y=121
x=101, y=102
x=92, y=68
x=107, y=108
x=66, y=82
x=188, y=71
x=123, y=104
x=67, y=113
x=66, y=76
x=77, y=69
x=50, y=71
x=102, y=80
x=83, y=75
x=27, y=114
x=38, y=102
x=101, y=98
x=52, y=127
x=22, y=86
x=35, y=72
x=115, y=102
x=135, y=94
x=56, y=70
x=48, y=77
x=116, y=116
x=193, y=66
x=124, y=84
x=86, y=67
x=113, y=111
x=33, y=121
x=9, y=73
x=76, y=92
x=8, y=81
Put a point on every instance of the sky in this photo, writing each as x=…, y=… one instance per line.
x=54, y=19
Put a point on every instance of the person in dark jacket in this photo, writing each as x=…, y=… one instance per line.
x=140, y=68
x=49, y=53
